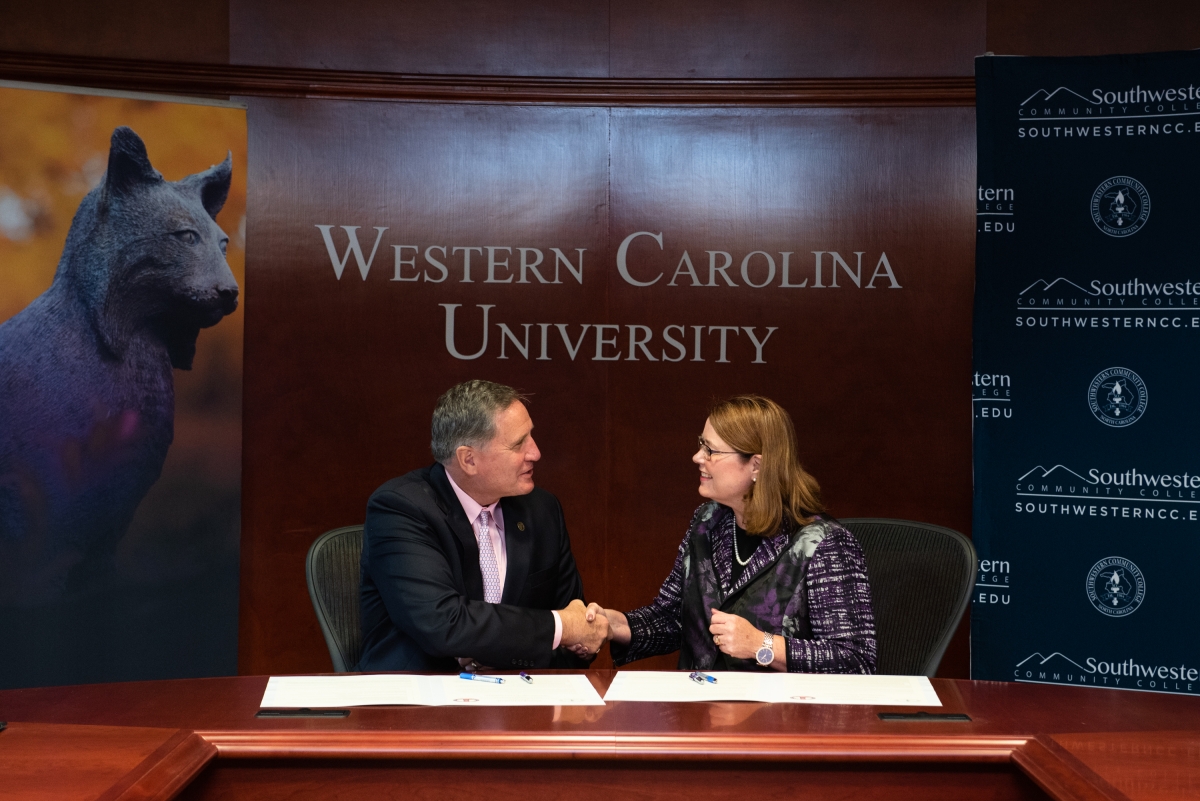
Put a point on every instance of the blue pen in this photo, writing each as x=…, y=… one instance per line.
x=477, y=677
x=525, y=677
x=700, y=678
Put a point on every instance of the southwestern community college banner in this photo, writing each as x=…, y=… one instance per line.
x=1087, y=324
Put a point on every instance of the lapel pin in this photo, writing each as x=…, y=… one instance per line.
x=520, y=526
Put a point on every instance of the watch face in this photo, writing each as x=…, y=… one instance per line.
x=765, y=656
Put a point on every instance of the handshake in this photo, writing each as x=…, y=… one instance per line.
x=585, y=629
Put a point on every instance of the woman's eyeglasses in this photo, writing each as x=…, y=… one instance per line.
x=709, y=452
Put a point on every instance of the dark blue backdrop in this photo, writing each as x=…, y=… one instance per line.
x=1087, y=325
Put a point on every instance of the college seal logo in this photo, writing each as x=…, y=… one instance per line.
x=1117, y=397
x=1120, y=206
x=1115, y=586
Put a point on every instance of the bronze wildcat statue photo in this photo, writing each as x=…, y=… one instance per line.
x=87, y=397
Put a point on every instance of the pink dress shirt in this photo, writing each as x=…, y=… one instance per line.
x=472, y=508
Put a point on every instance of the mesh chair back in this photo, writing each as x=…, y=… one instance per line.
x=332, y=570
x=921, y=577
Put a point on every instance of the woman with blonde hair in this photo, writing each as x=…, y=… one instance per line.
x=763, y=579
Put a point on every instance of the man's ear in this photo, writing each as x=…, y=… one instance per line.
x=465, y=456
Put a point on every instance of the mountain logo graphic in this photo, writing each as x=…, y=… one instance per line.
x=1059, y=472
x=1117, y=397
x=1041, y=96
x=1116, y=587
x=1059, y=286
x=1120, y=206
x=1056, y=661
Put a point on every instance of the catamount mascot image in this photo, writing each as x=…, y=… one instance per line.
x=87, y=398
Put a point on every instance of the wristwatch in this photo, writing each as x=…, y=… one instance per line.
x=766, y=654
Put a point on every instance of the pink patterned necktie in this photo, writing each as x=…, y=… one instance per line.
x=487, y=560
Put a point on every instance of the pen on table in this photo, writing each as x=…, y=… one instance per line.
x=477, y=677
x=699, y=677
x=525, y=677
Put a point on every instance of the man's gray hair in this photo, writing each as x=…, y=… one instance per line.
x=466, y=415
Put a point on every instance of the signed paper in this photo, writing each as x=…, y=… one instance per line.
x=317, y=692
x=774, y=688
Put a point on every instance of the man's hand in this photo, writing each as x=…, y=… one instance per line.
x=618, y=626
x=584, y=637
x=589, y=615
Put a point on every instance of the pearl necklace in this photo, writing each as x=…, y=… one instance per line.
x=737, y=555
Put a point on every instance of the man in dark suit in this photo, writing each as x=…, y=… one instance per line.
x=465, y=560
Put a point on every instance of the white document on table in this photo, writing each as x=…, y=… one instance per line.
x=773, y=688
x=573, y=690
x=674, y=685
x=317, y=692
x=825, y=688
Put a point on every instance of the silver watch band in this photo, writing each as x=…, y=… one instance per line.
x=768, y=644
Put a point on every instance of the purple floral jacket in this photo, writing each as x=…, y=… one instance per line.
x=808, y=585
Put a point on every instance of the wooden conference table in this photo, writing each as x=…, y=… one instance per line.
x=200, y=739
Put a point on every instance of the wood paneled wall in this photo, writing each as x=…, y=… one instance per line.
x=191, y=30
x=341, y=374
x=692, y=39
x=1090, y=27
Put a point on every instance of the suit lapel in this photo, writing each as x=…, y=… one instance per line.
x=456, y=520
x=767, y=554
x=518, y=547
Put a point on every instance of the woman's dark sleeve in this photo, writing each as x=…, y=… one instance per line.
x=839, y=611
x=656, y=628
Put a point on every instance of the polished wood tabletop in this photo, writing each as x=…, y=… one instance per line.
x=63, y=762
x=1021, y=741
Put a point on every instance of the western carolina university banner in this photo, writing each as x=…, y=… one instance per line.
x=1087, y=319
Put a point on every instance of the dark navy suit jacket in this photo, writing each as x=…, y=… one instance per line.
x=422, y=590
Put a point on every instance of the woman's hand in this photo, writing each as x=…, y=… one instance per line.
x=618, y=625
x=734, y=635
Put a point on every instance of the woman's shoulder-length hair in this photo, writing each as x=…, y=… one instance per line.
x=752, y=424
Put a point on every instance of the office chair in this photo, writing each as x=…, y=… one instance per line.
x=921, y=579
x=332, y=571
